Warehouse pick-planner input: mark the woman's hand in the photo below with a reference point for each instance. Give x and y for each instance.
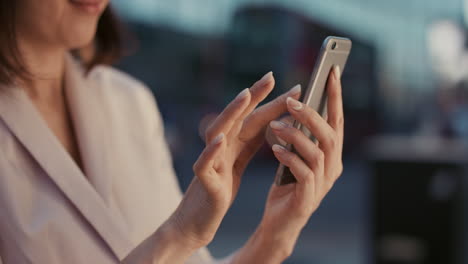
(231, 141)
(289, 207)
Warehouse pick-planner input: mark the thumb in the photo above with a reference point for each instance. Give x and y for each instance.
(203, 167)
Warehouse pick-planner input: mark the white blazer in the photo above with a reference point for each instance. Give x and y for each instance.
(50, 212)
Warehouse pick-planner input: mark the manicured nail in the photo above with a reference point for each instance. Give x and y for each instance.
(278, 125)
(337, 72)
(218, 139)
(243, 94)
(266, 78)
(278, 148)
(295, 90)
(294, 104)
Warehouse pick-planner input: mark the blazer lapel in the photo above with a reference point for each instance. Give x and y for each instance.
(31, 130)
(91, 129)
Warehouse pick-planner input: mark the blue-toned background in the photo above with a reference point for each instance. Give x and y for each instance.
(401, 199)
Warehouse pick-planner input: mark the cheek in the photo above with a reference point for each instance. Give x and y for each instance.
(55, 22)
(36, 20)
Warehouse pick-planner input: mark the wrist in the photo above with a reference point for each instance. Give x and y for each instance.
(268, 247)
(170, 245)
(165, 245)
(279, 243)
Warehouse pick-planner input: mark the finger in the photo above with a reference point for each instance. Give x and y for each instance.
(335, 100)
(272, 139)
(225, 121)
(307, 149)
(260, 118)
(312, 120)
(204, 166)
(310, 182)
(259, 91)
(299, 169)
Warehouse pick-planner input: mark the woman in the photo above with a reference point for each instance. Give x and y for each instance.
(85, 174)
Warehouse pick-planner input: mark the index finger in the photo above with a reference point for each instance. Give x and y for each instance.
(226, 120)
(259, 91)
(260, 118)
(335, 100)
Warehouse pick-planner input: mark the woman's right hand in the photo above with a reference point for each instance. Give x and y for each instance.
(211, 191)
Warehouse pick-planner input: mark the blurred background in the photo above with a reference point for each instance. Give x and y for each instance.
(402, 198)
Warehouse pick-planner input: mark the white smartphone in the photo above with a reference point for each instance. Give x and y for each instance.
(334, 51)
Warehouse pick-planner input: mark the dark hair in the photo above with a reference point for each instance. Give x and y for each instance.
(108, 43)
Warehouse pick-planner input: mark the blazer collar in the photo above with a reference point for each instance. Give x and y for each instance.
(91, 129)
(30, 129)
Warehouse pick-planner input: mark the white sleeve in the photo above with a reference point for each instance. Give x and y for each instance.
(203, 256)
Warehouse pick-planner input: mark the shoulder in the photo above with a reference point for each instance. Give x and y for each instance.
(125, 96)
(112, 80)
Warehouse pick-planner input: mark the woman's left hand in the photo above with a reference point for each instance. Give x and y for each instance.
(290, 206)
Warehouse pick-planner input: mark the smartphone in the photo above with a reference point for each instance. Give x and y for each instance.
(334, 51)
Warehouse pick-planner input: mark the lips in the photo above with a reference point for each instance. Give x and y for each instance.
(89, 6)
(86, 2)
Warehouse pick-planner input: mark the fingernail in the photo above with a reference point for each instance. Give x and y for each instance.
(266, 78)
(218, 139)
(243, 94)
(278, 125)
(294, 104)
(337, 72)
(278, 148)
(295, 90)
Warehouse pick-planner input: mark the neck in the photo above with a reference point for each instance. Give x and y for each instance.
(47, 68)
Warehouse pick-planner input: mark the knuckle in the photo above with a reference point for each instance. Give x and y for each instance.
(208, 134)
(317, 204)
(337, 120)
(303, 213)
(317, 158)
(329, 184)
(340, 121)
(204, 238)
(315, 162)
(309, 177)
(320, 155)
(340, 169)
(196, 167)
(331, 141)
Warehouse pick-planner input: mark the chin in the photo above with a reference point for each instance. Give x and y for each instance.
(80, 37)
